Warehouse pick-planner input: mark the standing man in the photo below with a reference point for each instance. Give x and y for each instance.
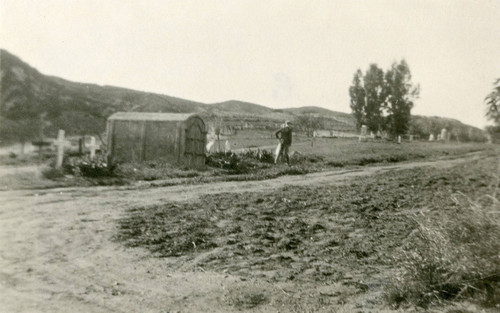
(284, 136)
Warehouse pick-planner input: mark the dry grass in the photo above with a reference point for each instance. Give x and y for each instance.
(452, 255)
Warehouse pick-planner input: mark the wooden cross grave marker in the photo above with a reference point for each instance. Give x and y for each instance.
(60, 148)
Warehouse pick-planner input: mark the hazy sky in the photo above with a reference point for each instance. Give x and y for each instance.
(275, 53)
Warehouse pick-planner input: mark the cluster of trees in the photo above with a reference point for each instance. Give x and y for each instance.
(383, 100)
(309, 123)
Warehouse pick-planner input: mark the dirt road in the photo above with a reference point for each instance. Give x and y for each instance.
(57, 253)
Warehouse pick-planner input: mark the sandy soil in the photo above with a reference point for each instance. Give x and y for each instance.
(57, 254)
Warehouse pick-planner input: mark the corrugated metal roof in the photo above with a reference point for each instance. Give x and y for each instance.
(143, 116)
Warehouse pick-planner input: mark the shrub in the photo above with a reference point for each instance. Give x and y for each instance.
(454, 256)
(84, 166)
(240, 163)
(264, 156)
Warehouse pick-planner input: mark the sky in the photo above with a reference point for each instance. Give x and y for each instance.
(275, 53)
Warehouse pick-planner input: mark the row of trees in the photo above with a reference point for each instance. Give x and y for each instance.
(383, 100)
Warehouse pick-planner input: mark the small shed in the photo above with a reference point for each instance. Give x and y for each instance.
(171, 137)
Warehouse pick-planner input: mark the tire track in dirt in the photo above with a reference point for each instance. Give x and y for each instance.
(56, 253)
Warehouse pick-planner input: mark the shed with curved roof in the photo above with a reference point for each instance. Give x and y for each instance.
(171, 137)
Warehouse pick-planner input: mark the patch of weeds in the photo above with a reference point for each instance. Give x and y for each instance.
(335, 164)
(368, 160)
(396, 158)
(294, 170)
(245, 163)
(52, 173)
(181, 231)
(263, 156)
(315, 158)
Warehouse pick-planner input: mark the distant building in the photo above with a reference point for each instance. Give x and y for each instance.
(175, 138)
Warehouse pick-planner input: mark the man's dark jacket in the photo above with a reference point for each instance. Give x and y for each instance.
(286, 135)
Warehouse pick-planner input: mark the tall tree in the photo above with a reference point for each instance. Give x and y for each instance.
(493, 103)
(400, 94)
(375, 97)
(358, 99)
(493, 111)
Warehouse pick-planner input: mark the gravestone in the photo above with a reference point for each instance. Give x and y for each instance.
(399, 139)
(364, 130)
(211, 147)
(93, 147)
(227, 147)
(431, 137)
(439, 137)
(443, 134)
(411, 137)
(60, 148)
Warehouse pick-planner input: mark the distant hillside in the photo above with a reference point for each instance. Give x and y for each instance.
(30, 101)
(235, 106)
(320, 111)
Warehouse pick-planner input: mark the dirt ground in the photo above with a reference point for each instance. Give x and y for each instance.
(57, 254)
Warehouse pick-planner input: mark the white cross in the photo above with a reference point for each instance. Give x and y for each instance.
(60, 148)
(93, 147)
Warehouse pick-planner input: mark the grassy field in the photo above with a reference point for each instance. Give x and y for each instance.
(349, 150)
(325, 154)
